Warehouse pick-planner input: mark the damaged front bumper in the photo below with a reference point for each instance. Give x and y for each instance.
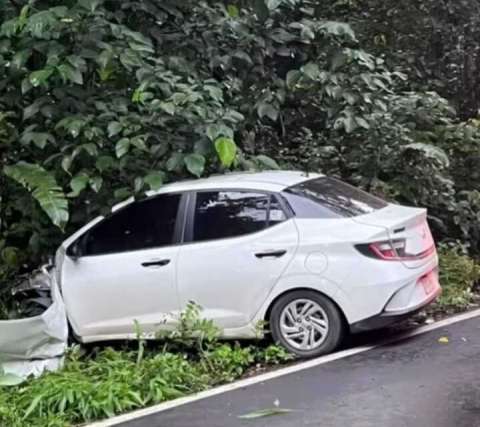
(31, 345)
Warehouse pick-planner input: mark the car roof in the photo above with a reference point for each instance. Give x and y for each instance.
(274, 181)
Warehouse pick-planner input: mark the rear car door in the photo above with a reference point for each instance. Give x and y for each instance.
(237, 245)
(123, 270)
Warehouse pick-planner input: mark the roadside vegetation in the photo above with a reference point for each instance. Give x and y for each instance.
(101, 100)
(460, 279)
(104, 381)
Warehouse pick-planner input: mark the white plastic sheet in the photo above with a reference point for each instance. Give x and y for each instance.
(29, 346)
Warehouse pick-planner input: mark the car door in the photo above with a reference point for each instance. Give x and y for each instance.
(123, 270)
(237, 245)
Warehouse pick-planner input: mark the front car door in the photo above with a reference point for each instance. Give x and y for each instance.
(238, 243)
(123, 270)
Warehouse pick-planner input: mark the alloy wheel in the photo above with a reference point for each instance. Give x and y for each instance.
(304, 324)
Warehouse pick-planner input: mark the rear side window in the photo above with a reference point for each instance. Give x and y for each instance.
(223, 214)
(330, 198)
(141, 225)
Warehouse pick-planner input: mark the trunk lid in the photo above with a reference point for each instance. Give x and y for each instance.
(407, 223)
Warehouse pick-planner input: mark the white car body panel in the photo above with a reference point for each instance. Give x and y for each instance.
(105, 294)
(226, 278)
(403, 222)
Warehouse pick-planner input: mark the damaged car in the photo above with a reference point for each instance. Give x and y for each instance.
(309, 255)
(37, 341)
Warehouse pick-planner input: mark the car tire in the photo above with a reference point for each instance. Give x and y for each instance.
(318, 331)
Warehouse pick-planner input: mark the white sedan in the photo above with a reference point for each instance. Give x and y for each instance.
(312, 256)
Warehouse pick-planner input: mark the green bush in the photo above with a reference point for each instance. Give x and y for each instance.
(89, 118)
(273, 355)
(99, 387)
(458, 276)
(227, 362)
(108, 382)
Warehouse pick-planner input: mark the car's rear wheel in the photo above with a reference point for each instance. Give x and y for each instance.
(306, 323)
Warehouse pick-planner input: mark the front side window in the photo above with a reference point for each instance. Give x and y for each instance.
(330, 198)
(223, 214)
(142, 225)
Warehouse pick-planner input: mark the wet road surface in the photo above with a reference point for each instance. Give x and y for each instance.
(417, 382)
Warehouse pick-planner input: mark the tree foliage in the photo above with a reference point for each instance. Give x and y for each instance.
(434, 42)
(101, 99)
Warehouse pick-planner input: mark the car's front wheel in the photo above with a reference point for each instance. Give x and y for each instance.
(306, 323)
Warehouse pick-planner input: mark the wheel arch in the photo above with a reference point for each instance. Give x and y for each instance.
(268, 311)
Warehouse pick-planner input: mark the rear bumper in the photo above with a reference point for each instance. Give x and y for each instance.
(385, 318)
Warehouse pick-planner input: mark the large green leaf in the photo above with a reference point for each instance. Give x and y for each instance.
(90, 5)
(261, 10)
(195, 164)
(70, 73)
(267, 162)
(311, 70)
(40, 77)
(9, 256)
(232, 10)
(114, 128)
(78, 184)
(215, 131)
(430, 151)
(175, 162)
(44, 189)
(168, 107)
(40, 139)
(104, 163)
(34, 108)
(266, 109)
(154, 180)
(122, 147)
(96, 183)
(293, 77)
(339, 29)
(226, 150)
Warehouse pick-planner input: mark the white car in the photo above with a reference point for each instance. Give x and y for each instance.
(311, 255)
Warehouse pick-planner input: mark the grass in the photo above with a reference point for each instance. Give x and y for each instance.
(459, 276)
(106, 381)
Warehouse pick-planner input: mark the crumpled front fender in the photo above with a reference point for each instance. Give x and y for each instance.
(30, 345)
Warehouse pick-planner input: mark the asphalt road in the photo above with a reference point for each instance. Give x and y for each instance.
(418, 382)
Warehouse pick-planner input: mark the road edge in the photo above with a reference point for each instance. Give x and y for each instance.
(242, 383)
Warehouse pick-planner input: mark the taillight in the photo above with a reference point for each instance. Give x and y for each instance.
(394, 250)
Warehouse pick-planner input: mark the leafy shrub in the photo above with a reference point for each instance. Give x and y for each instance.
(227, 362)
(88, 118)
(110, 383)
(459, 274)
(273, 355)
(107, 382)
(193, 333)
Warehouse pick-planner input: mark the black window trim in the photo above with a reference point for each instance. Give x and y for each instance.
(192, 200)
(184, 223)
(178, 233)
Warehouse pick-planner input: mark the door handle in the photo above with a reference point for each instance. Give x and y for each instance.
(271, 254)
(157, 263)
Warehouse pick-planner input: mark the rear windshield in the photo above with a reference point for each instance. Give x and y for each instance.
(329, 198)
